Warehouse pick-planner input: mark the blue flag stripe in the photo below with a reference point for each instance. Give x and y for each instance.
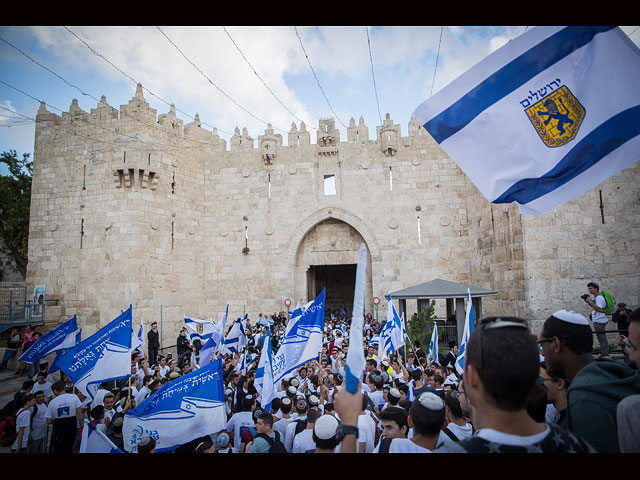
(590, 150)
(509, 78)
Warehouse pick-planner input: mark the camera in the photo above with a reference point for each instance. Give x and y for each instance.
(584, 297)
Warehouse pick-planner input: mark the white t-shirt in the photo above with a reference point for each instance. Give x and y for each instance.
(508, 439)
(63, 406)
(291, 433)
(461, 433)
(303, 441)
(404, 445)
(23, 420)
(600, 317)
(366, 432)
(281, 427)
(45, 387)
(377, 397)
(39, 425)
(235, 424)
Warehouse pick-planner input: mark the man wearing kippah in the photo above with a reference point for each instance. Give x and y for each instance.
(596, 386)
(598, 317)
(501, 369)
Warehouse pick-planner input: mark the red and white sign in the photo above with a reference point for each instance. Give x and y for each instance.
(376, 300)
(287, 302)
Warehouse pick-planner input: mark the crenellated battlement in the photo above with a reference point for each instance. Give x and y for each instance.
(137, 117)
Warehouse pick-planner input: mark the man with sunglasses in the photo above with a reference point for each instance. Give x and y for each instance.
(500, 371)
(597, 386)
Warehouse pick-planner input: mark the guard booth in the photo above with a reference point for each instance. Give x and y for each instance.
(454, 294)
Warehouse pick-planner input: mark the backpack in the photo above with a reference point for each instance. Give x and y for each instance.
(385, 443)
(300, 426)
(276, 445)
(611, 303)
(8, 432)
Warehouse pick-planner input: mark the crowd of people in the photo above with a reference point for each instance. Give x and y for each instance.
(515, 395)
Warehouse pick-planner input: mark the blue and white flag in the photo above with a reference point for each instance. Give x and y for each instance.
(199, 329)
(263, 381)
(72, 341)
(432, 353)
(213, 343)
(466, 333)
(242, 364)
(104, 356)
(302, 340)
(94, 441)
(61, 337)
(137, 341)
(236, 339)
(392, 335)
(547, 117)
(184, 409)
(375, 340)
(355, 356)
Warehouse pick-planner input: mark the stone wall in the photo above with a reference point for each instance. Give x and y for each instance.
(129, 207)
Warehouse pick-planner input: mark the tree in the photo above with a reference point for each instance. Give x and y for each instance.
(420, 326)
(15, 203)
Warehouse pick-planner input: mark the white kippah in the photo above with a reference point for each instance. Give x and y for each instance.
(326, 427)
(570, 316)
(394, 392)
(431, 401)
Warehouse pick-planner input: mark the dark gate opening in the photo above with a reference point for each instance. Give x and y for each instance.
(339, 282)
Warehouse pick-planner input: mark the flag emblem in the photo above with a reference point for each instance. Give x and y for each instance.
(199, 328)
(557, 117)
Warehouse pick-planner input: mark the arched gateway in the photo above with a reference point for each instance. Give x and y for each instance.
(323, 254)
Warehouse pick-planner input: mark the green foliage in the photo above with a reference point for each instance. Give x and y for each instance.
(15, 203)
(420, 326)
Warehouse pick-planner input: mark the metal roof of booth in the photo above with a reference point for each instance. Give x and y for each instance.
(439, 288)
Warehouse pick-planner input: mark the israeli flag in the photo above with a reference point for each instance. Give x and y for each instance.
(547, 117)
(393, 332)
(137, 341)
(61, 337)
(72, 341)
(236, 339)
(199, 329)
(184, 409)
(466, 333)
(302, 340)
(263, 381)
(94, 441)
(104, 356)
(432, 353)
(213, 343)
(375, 340)
(355, 356)
(242, 364)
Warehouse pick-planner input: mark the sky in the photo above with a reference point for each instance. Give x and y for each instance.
(244, 77)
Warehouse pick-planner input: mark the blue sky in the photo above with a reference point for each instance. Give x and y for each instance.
(224, 87)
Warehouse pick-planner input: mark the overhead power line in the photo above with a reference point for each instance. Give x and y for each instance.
(261, 80)
(316, 77)
(436, 66)
(212, 83)
(136, 82)
(373, 75)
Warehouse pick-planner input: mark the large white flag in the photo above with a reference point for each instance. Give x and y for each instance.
(432, 354)
(94, 441)
(104, 356)
(302, 340)
(184, 409)
(392, 335)
(236, 339)
(199, 329)
(547, 117)
(355, 356)
(466, 333)
(263, 381)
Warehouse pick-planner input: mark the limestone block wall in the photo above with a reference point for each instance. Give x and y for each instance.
(129, 207)
(581, 242)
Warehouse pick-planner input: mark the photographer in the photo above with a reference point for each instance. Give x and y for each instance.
(621, 318)
(598, 317)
